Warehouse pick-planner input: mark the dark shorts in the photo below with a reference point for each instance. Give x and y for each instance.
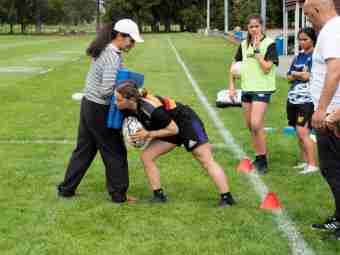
(300, 114)
(191, 130)
(249, 97)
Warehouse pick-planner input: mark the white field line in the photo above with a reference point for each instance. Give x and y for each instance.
(47, 71)
(286, 226)
(39, 141)
(12, 45)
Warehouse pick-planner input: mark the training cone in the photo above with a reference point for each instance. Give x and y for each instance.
(245, 166)
(271, 201)
(131, 200)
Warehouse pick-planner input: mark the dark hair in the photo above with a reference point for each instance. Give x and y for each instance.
(253, 17)
(310, 32)
(103, 38)
(129, 90)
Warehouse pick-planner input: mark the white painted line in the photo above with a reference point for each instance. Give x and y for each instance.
(48, 58)
(47, 71)
(71, 52)
(12, 45)
(39, 141)
(221, 146)
(285, 224)
(21, 69)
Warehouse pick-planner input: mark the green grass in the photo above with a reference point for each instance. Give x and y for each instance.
(34, 221)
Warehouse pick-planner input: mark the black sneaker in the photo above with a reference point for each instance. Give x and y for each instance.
(331, 224)
(118, 197)
(65, 193)
(226, 201)
(160, 198)
(260, 166)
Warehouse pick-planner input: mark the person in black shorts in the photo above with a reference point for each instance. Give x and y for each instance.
(168, 124)
(300, 107)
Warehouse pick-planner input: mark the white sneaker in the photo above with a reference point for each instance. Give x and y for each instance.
(301, 165)
(309, 169)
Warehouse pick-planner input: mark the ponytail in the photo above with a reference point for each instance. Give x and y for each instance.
(103, 38)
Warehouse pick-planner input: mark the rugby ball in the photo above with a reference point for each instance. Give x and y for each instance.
(130, 126)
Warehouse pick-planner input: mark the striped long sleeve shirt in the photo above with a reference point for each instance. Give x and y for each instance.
(101, 78)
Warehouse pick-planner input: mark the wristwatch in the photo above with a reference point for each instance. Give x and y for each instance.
(257, 51)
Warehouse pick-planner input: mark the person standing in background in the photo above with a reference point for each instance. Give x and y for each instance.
(300, 107)
(93, 133)
(325, 92)
(258, 82)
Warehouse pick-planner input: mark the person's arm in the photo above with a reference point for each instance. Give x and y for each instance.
(232, 78)
(332, 81)
(266, 66)
(266, 62)
(164, 120)
(110, 70)
(143, 134)
(302, 76)
(290, 76)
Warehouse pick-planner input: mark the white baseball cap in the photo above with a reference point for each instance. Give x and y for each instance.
(128, 26)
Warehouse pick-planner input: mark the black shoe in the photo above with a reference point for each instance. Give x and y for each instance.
(226, 201)
(331, 224)
(261, 166)
(65, 193)
(159, 196)
(118, 197)
(159, 199)
(333, 237)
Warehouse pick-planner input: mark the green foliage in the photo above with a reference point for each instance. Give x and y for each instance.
(192, 18)
(188, 14)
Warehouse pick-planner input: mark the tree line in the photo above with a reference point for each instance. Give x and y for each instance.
(156, 15)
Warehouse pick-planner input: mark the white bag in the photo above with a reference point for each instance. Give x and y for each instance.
(223, 99)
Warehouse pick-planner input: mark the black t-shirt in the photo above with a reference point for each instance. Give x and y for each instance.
(271, 54)
(153, 118)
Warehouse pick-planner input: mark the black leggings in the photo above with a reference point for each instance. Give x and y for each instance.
(93, 135)
(329, 157)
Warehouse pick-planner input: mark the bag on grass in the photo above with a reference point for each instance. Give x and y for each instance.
(224, 100)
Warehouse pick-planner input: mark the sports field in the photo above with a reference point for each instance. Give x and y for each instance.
(38, 128)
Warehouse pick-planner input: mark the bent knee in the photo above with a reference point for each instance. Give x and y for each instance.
(146, 157)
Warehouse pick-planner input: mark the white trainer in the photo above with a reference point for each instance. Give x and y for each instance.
(309, 169)
(301, 165)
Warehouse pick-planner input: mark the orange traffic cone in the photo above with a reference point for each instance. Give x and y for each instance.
(131, 200)
(245, 166)
(271, 201)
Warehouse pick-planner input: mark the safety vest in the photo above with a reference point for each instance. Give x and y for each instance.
(252, 76)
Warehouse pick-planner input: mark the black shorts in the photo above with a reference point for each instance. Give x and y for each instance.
(300, 114)
(191, 129)
(249, 97)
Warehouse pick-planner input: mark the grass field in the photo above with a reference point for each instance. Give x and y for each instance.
(38, 106)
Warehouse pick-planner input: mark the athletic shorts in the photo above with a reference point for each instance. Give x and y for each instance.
(191, 129)
(249, 97)
(300, 114)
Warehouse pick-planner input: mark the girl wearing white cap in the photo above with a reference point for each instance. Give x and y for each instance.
(93, 134)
